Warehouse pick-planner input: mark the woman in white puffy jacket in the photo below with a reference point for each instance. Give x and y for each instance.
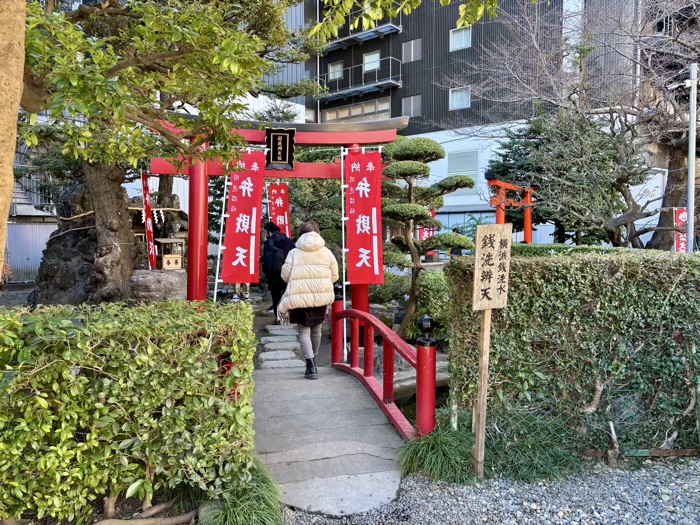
(309, 271)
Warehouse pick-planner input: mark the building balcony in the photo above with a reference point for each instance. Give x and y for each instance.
(347, 35)
(361, 79)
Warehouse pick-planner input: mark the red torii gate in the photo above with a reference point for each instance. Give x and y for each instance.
(351, 135)
(500, 201)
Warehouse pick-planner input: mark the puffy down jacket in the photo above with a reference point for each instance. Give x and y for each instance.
(310, 271)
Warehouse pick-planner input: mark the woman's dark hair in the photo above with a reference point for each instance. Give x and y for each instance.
(271, 227)
(308, 227)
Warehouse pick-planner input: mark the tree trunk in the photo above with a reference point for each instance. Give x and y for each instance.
(614, 236)
(411, 305)
(116, 251)
(676, 185)
(634, 240)
(415, 273)
(559, 233)
(13, 16)
(110, 506)
(165, 188)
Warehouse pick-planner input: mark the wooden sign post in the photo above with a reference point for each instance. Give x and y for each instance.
(491, 273)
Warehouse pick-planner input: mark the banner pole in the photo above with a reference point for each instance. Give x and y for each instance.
(146, 192)
(343, 153)
(221, 238)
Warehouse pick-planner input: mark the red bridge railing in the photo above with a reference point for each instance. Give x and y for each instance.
(423, 359)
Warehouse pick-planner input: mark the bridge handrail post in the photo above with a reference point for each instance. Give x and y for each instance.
(355, 343)
(369, 351)
(388, 388)
(426, 350)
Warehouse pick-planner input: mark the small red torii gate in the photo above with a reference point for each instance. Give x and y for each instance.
(501, 202)
(351, 136)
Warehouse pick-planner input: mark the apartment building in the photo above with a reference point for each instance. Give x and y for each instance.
(422, 66)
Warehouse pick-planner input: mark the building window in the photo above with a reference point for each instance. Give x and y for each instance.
(310, 115)
(413, 50)
(460, 98)
(370, 61)
(464, 163)
(379, 109)
(335, 70)
(667, 26)
(411, 106)
(460, 38)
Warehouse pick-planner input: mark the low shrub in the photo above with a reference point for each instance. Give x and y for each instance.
(395, 288)
(585, 340)
(123, 401)
(433, 300)
(547, 250)
(11, 342)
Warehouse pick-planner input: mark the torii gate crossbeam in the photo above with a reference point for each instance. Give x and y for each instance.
(351, 135)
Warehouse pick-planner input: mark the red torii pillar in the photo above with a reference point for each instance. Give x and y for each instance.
(354, 135)
(198, 233)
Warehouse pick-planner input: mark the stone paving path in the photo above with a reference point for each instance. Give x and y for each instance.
(326, 442)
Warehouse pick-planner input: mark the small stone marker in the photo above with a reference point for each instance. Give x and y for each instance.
(491, 273)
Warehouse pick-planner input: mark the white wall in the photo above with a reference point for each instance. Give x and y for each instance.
(484, 140)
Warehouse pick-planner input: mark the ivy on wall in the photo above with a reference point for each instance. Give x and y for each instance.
(589, 339)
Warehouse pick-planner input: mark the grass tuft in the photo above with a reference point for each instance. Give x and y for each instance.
(520, 448)
(257, 503)
(443, 455)
(529, 447)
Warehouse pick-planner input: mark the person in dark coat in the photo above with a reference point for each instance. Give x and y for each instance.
(275, 251)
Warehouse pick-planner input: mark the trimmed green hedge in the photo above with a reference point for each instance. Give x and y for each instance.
(547, 250)
(586, 340)
(119, 400)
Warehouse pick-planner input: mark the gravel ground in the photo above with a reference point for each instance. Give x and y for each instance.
(654, 495)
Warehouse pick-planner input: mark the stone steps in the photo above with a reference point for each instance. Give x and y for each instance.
(279, 349)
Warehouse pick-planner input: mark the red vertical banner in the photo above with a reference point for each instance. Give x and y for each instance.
(244, 208)
(148, 221)
(680, 220)
(363, 204)
(279, 207)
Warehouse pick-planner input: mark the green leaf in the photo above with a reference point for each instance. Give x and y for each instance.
(134, 488)
(104, 421)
